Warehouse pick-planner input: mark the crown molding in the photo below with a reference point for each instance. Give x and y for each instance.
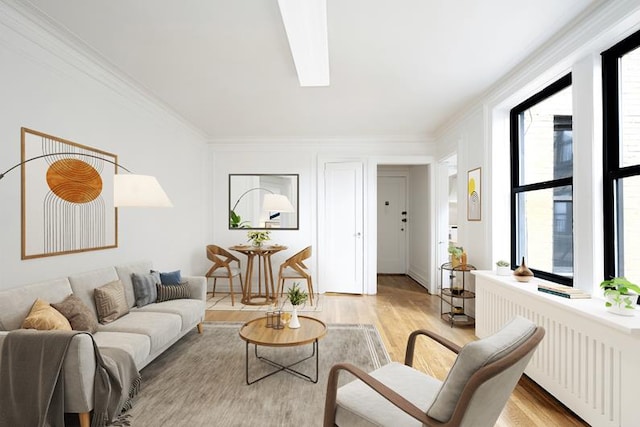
(588, 32)
(323, 140)
(372, 145)
(55, 41)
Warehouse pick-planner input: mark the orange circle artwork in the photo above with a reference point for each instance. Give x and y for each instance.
(74, 181)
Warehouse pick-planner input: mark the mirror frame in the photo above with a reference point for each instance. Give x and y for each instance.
(296, 203)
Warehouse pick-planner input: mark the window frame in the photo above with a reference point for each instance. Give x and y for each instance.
(612, 171)
(517, 188)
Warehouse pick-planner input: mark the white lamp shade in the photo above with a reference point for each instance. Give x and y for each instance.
(138, 190)
(277, 203)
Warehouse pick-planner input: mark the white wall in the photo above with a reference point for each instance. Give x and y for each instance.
(47, 85)
(481, 134)
(306, 158)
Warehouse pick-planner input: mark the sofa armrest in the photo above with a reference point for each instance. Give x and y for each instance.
(198, 287)
(78, 370)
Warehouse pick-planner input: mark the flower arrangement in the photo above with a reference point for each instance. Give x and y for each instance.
(257, 238)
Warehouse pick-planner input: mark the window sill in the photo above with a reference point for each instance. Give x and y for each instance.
(592, 308)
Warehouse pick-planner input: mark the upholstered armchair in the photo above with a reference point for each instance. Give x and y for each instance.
(473, 394)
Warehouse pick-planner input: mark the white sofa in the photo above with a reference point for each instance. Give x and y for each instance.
(144, 332)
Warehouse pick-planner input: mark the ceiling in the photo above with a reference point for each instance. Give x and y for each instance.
(399, 68)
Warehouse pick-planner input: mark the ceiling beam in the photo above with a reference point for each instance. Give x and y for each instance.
(305, 22)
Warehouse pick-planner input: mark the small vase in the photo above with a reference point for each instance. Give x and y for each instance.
(522, 273)
(294, 323)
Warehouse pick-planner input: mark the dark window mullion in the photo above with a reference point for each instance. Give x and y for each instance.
(611, 153)
(544, 185)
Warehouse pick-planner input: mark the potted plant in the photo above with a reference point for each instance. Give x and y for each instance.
(503, 268)
(236, 222)
(296, 296)
(257, 238)
(618, 298)
(456, 253)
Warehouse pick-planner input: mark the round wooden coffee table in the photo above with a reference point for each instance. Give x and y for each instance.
(256, 332)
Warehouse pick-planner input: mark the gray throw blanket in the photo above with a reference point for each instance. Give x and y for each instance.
(32, 384)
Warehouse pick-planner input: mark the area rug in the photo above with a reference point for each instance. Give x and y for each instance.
(200, 380)
(222, 301)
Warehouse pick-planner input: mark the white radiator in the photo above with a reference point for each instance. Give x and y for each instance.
(587, 357)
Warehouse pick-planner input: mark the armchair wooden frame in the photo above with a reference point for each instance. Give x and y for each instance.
(222, 259)
(296, 263)
(481, 376)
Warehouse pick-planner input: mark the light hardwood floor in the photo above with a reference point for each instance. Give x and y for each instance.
(402, 306)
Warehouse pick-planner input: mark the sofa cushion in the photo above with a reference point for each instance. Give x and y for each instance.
(111, 302)
(124, 274)
(161, 328)
(190, 310)
(144, 287)
(44, 317)
(83, 285)
(137, 345)
(16, 303)
(77, 313)
(170, 292)
(171, 278)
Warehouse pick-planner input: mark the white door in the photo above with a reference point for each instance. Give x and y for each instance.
(342, 262)
(392, 224)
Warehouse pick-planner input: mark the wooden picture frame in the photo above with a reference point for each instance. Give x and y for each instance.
(67, 197)
(474, 195)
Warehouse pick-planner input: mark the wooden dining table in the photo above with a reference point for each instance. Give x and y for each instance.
(263, 253)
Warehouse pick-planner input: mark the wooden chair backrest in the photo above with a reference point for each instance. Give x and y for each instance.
(298, 259)
(220, 257)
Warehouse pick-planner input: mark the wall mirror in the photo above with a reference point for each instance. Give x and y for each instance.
(260, 202)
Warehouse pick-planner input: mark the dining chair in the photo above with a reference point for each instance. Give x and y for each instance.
(474, 392)
(222, 268)
(294, 268)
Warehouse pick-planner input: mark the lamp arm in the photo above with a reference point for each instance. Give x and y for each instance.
(65, 153)
(248, 191)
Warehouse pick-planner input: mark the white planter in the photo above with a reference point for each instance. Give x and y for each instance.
(503, 271)
(294, 323)
(621, 307)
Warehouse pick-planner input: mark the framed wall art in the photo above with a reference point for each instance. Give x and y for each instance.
(474, 195)
(67, 197)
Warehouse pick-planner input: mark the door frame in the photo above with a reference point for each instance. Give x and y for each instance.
(370, 214)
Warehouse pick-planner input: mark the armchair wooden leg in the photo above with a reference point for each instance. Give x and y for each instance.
(85, 419)
(200, 328)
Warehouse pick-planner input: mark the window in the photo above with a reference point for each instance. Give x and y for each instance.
(621, 154)
(542, 182)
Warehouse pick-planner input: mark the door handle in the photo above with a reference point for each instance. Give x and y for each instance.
(358, 234)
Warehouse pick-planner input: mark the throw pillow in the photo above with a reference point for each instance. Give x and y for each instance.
(171, 278)
(144, 287)
(45, 318)
(169, 292)
(111, 302)
(77, 313)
